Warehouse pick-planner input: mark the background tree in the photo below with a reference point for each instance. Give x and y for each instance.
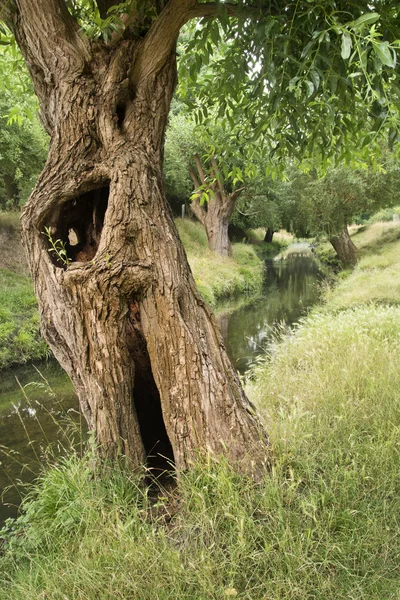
(218, 172)
(327, 205)
(122, 313)
(261, 205)
(24, 145)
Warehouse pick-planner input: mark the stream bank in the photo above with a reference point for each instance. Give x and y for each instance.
(37, 402)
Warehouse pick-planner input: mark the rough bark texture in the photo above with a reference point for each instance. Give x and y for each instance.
(216, 213)
(123, 316)
(344, 248)
(269, 234)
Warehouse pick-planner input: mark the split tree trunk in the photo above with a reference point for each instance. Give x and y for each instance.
(122, 314)
(216, 213)
(345, 248)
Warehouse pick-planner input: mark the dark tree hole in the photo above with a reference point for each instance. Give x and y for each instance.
(120, 112)
(146, 400)
(78, 225)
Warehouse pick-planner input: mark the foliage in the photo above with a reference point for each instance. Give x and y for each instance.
(185, 140)
(386, 214)
(180, 146)
(261, 205)
(23, 142)
(313, 79)
(317, 205)
(57, 248)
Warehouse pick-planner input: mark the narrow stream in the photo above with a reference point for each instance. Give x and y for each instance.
(38, 404)
(290, 288)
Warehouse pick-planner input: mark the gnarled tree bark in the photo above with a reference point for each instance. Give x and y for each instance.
(214, 214)
(122, 313)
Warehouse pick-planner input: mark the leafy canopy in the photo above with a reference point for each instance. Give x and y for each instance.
(312, 78)
(317, 205)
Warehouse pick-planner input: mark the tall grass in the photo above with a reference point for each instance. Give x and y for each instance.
(376, 277)
(322, 524)
(9, 221)
(19, 320)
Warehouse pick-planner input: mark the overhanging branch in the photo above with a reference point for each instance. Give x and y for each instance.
(62, 50)
(161, 38)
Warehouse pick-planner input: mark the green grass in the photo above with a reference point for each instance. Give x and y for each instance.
(376, 278)
(20, 340)
(9, 221)
(323, 524)
(219, 277)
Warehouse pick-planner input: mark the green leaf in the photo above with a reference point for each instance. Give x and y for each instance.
(384, 53)
(310, 88)
(347, 44)
(367, 19)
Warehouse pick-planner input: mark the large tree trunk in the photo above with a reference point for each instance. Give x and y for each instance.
(12, 190)
(269, 234)
(215, 214)
(215, 218)
(345, 248)
(122, 314)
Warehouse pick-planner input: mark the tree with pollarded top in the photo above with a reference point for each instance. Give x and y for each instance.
(219, 173)
(122, 314)
(327, 205)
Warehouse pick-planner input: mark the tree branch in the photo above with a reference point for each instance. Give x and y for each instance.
(199, 211)
(235, 195)
(161, 38)
(199, 169)
(218, 177)
(193, 177)
(47, 27)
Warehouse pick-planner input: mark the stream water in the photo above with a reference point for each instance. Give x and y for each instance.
(38, 404)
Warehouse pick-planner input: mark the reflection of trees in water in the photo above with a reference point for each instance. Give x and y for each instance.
(290, 288)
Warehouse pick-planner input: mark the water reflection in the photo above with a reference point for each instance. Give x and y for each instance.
(36, 408)
(291, 287)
